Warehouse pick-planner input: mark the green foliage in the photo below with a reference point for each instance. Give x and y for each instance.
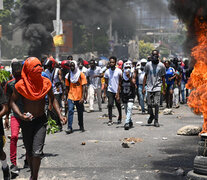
(145, 49)
(4, 76)
(52, 126)
(7, 16)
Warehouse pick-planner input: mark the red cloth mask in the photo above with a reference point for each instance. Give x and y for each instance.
(33, 85)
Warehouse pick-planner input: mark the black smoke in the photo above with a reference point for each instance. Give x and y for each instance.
(35, 16)
(187, 11)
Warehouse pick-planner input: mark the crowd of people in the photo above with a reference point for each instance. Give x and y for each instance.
(41, 88)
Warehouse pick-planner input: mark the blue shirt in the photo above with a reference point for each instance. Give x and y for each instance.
(170, 72)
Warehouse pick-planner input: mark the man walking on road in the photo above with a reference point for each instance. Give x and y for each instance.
(155, 78)
(15, 119)
(33, 88)
(55, 76)
(113, 78)
(128, 93)
(94, 84)
(75, 83)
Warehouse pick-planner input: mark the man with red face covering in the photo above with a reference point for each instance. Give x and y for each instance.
(33, 88)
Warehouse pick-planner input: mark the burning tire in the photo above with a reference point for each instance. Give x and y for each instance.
(200, 165)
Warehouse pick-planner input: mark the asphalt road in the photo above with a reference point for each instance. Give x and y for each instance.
(157, 157)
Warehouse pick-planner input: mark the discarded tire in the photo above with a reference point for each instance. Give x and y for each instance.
(200, 165)
(193, 176)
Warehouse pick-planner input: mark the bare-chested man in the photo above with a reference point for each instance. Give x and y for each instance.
(33, 88)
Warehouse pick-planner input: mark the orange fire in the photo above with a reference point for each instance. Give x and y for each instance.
(198, 79)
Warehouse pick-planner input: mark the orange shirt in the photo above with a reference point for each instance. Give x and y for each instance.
(76, 89)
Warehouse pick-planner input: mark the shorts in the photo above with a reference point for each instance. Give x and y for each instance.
(170, 87)
(153, 98)
(2, 142)
(34, 133)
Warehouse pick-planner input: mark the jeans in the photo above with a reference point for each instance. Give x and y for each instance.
(176, 96)
(153, 100)
(183, 91)
(111, 98)
(128, 110)
(141, 97)
(80, 110)
(15, 126)
(91, 93)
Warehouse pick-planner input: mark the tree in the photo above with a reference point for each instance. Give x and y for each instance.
(145, 49)
(8, 17)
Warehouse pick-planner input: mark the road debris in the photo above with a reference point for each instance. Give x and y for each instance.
(125, 145)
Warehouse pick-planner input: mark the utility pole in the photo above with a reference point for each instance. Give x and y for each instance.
(57, 49)
(110, 35)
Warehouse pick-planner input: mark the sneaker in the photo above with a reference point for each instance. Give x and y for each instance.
(14, 170)
(69, 131)
(177, 106)
(150, 120)
(126, 126)
(156, 124)
(82, 129)
(130, 124)
(26, 164)
(110, 123)
(119, 121)
(6, 173)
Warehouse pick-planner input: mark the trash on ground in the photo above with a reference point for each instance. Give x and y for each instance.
(189, 130)
(132, 142)
(132, 139)
(83, 143)
(125, 145)
(180, 172)
(157, 171)
(168, 111)
(139, 122)
(164, 138)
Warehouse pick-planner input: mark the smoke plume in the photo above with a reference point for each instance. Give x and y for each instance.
(187, 11)
(36, 17)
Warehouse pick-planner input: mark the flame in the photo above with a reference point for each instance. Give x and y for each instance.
(198, 79)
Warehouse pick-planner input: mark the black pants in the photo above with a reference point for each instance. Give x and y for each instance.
(58, 97)
(111, 98)
(34, 133)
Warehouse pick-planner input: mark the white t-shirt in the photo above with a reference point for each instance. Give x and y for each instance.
(141, 77)
(113, 79)
(54, 75)
(95, 82)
